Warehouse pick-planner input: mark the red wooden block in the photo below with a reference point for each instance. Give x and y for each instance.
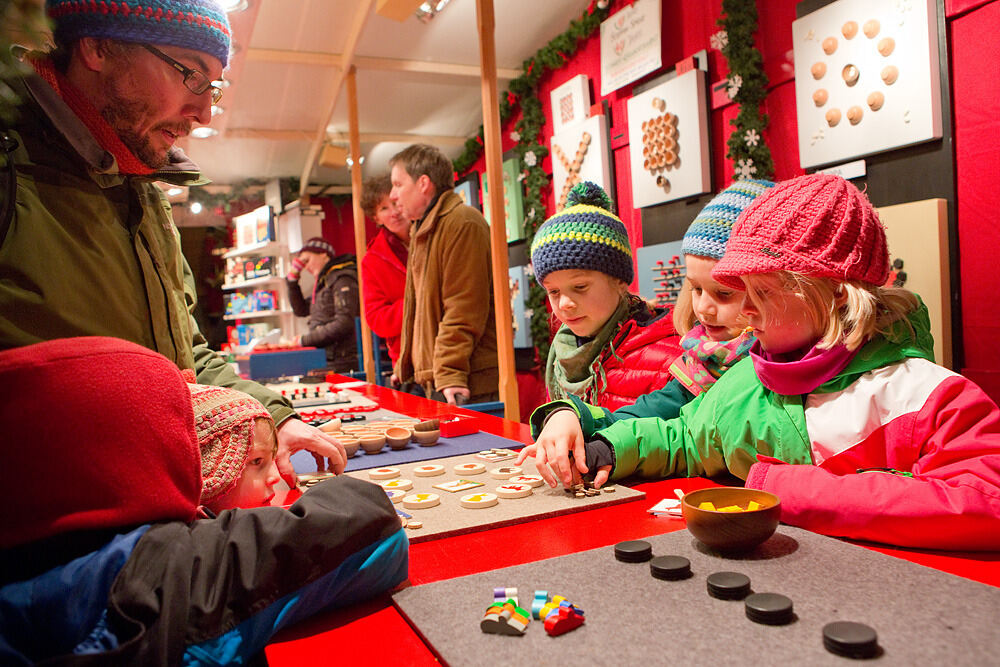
(562, 622)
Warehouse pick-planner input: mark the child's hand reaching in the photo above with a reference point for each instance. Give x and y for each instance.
(560, 436)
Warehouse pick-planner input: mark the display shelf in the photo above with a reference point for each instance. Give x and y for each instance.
(262, 248)
(253, 282)
(257, 315)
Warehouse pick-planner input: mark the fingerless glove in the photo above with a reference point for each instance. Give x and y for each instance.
(297, 266)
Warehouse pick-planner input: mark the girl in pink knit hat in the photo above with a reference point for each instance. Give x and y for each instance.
(839, 409)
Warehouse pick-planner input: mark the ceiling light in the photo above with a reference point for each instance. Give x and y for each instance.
(204, 132)
(234, 5)
(428, 10)
(217, 110)
(195, 207)
(173, 192)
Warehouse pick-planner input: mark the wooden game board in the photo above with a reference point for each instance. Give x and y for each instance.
(450, 518)
(922, 616)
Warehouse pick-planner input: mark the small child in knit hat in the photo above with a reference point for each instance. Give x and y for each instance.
(612, 346)
(707, 313)
(839, 409)
(238, 443)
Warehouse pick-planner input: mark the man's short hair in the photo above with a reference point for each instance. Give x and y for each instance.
(373, 192)
(420, 159)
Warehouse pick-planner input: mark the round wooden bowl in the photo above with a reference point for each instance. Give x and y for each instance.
(731, 531)
(351, 445)
(397, 437)
(331, 426)
(372, 444)
(426, 438)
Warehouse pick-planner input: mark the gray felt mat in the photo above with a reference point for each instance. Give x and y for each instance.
(450, 518)
(922, 616)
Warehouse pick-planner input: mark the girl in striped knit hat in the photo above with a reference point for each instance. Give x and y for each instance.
(612, 346)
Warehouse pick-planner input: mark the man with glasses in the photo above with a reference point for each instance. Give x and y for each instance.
(87, 242)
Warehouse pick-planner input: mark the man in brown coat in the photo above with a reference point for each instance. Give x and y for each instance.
(449, 344)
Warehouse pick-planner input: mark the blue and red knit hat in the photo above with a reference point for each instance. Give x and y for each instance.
(200, 25)
(584, 235)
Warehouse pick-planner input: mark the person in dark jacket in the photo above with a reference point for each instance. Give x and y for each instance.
(102, 558)
(333, 305)
(88, 246)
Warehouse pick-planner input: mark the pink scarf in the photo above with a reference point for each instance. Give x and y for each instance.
(796, 372)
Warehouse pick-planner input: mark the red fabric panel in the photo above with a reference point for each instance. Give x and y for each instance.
(975, 90)
(953, 7)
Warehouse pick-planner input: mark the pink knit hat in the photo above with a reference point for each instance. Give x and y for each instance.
(224, 423)
(818, 225)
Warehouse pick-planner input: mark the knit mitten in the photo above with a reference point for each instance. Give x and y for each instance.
(297, 266)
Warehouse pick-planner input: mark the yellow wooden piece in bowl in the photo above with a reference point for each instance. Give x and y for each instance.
(730, 508)
(706, 506)
(753, 505)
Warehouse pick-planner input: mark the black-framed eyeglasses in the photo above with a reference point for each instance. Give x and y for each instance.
(195, 80)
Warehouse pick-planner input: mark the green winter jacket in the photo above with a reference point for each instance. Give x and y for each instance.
(722, 430)
(93, 252)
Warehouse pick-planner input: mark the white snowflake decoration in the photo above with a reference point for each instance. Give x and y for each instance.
(528, 312)
(531, 215)
(515, 136)
(530, 268)
(751, 137)
(735, 81)
(530, 158)
(745, 169)
(520, 177)
(719, 40)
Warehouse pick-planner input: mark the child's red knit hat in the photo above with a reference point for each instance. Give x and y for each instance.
(818, 225)
(98, 433)
(224, 423)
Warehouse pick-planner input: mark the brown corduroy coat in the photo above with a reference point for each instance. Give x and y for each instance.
(449, 326)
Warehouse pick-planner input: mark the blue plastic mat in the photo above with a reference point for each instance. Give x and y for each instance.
(464, 444)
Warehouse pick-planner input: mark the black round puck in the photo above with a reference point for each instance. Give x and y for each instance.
(769, 608)
(634, 551)
(849, 639)
(728, 585)
(671, 568)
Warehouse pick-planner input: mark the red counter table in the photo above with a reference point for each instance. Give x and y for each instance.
(375, 632)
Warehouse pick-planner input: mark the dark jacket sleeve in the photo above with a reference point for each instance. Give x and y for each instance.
(295, 299)
(218, 589)
(335, 307)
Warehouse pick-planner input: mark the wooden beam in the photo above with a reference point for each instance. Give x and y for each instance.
(340, 137)
(360, 242)
(322, 59)
(361, 14)
(498, 228)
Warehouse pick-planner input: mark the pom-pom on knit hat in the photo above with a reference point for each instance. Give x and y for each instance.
(818, 225)
(584, 235)
(317, 244)
(200, 25)
(224, 423)
(708, 234)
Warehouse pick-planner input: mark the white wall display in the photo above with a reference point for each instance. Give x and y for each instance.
(668, 141)
(580, 153)
(630, 44)
(570, 102)
(866, 78)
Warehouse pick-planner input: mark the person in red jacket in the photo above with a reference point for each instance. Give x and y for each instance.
(383, 269)
(612, 347)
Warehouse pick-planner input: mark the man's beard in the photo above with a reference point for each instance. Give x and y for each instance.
(123, 115)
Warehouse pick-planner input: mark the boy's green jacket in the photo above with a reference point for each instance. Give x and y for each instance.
(725, 428)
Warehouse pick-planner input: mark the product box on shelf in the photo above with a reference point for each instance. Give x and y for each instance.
(278, 363)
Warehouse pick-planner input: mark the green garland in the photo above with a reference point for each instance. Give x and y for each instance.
(524, 90)
(747, 87)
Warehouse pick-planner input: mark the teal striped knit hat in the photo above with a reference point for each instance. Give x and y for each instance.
(708, 234)
(199, 25)
(584, 235)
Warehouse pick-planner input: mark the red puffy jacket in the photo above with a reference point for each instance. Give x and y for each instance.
(637, 360)
(384, 280)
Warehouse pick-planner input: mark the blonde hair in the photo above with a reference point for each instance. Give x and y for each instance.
(848, 312)
(684, 317)
(274, 432)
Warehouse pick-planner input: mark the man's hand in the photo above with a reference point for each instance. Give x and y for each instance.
(560, 436)
(295, 434)
(451, 392)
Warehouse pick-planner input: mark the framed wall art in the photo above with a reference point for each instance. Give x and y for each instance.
(468, 190)
(580, 153)
(866, 79)
(570, 102)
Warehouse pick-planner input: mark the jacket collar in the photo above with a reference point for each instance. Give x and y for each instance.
(179, 170)
(446, 203)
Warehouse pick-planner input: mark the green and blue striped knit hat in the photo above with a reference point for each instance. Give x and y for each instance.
(584, 235)
(708, 234)
(199, 25)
